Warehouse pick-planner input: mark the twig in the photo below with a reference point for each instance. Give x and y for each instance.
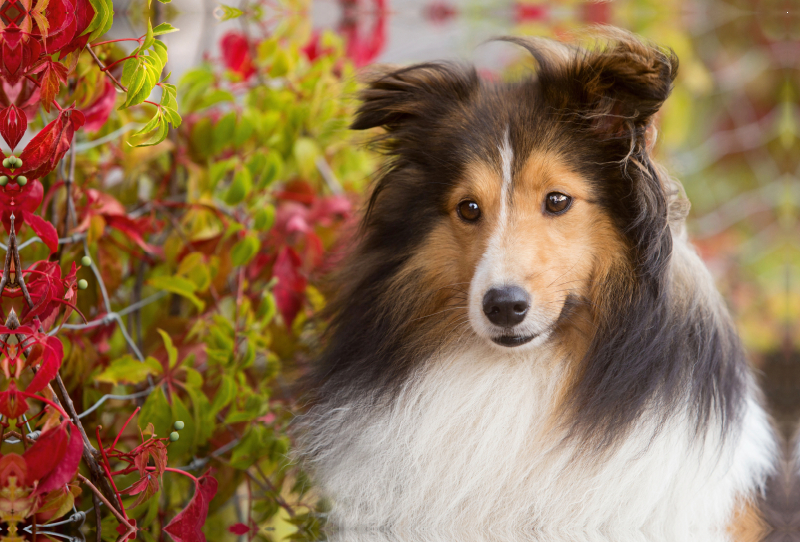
(119, 85)
(99, 494)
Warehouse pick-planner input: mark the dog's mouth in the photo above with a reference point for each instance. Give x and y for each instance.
(513, 340)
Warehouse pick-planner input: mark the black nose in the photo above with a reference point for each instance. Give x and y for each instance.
(506, 306)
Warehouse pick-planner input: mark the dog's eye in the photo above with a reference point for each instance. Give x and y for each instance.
(557, 203)
(468, 210)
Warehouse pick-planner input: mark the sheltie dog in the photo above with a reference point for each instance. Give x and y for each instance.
(522, 339)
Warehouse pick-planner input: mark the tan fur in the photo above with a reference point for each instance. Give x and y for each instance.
(747, 524)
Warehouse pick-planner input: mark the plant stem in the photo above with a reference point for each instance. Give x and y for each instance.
(111, 507)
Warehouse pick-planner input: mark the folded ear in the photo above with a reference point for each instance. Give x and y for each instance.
(395, 97)
(615, 88)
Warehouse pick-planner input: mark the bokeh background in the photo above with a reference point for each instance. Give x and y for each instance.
(730, 132)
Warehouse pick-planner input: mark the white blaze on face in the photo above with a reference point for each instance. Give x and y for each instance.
(498, 266)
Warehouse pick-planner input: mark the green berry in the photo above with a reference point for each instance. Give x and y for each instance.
(17, 162)
(3, 180)
(86, 261)
(7, 162)
(83, 284)
(178, 425)
(174, 436)
(22, 180)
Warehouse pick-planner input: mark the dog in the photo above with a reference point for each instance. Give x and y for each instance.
(522, 339)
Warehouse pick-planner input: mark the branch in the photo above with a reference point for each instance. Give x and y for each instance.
(99, 495)
(103, 68)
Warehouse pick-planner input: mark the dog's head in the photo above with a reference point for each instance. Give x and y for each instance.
(523, 204)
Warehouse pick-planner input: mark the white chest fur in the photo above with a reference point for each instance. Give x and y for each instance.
(469, 444)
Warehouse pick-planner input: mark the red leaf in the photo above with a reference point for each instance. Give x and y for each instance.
(47, 147)
(131, 229)
(45, 230)
(12, 402)
(51, 75)
(12, 465)
(239, 529)
(13, 123)
(187, 525)
(44, 455)
(291, 287)
(98, 111)
(20, 51)
(84, 12)
(236, 54)
(68, 464)
(53, 459)
(52, 356)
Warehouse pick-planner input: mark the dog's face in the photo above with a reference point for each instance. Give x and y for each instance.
(510, 202)
(530, 239)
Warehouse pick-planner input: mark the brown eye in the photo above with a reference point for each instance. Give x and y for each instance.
(468, 210)
(557, 203)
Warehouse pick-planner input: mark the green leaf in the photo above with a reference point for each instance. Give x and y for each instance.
(224, 130)
(194, 268)
(249, 449)
(200, 137)
(102, 20)
(159, 131)
(281, 64)
(172, 352)
(240, 187)
(268, 308)
(201, 408)
(272, 170)
(306, 152)
(217, 170)
(264, 218)
(128, 370)
(160, 51)
(227, 12)
(164, 28)
(244, 129)
(156, 410)
(149, 38)
(214, 97)
(244, 250)
(224, 395)
(179, 286)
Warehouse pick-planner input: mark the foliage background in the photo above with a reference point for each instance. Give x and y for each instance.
(262, 181)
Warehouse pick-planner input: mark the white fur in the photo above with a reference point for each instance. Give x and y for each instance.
(469, 446)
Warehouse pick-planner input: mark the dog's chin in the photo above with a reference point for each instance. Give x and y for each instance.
(511, 341)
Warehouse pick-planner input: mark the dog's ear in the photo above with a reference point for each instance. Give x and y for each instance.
(613, 89)
(394, 97)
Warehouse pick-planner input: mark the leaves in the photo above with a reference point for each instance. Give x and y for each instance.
(244, 250)
(51, 75)
(180, 286)
(166, 115)
(13, 123)
(128, 370)
(225, 13)
(156, 411)
(164, 28)
(53, 459)
(187, 525)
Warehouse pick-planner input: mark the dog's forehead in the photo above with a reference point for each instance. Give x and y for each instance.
(505, 126)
